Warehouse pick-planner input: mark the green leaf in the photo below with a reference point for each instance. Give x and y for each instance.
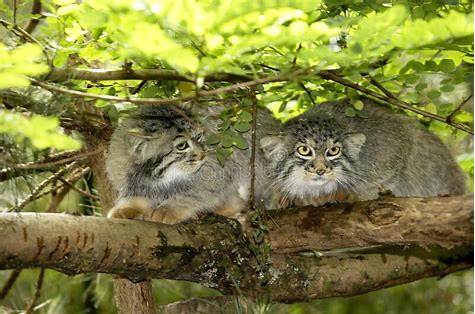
(227, 141)
(224, 125)
(464, 117)
(421, 86)
(150, 91)
(430, 65)
(16, 64)
(432, 108)
(245, 116)
(213, 139)
(446, 65)
(433, 94)
(242, 126)
(240, 142)
(66, 9)
(447, 88)
(358, 105)
(222, 154)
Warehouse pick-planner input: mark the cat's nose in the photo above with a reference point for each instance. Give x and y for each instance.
(199, 156)
(321, 171)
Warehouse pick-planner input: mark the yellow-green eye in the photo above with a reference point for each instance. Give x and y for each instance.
(333, 151)
(304, 151)
(182, 146)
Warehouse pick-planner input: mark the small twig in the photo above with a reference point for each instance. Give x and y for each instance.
(34, 21)
(37, 294)
(309, 94)
(330, 75)
(294, 61)
(23, 34)
(36, 191)
(20, 32)
(380, 86)
(9, 283)
(55, 160)
(74, 177)
(46, 164)
(252, 190)
(451, 116)
(57, 196)
(14, 11)
(80, 191)
(139, 87)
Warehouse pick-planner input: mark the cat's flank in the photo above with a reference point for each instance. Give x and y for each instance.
(324, 156)
(162, 169)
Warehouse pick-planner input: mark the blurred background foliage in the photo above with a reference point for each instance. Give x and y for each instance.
(419, 51)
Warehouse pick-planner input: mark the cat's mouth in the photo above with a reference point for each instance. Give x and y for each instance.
(196, 164)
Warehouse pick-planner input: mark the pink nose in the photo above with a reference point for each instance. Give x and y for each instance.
(200, 156)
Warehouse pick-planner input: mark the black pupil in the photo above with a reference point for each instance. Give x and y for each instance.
(182, 145)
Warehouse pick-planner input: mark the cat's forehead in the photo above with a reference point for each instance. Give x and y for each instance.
(315, 132)
(159, 119)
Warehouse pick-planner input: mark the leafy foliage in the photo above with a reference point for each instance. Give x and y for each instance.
(42, 131)
(420, 51)
(18, 62)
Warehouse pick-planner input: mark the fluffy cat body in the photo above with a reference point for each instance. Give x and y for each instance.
(324, 156)
(158, 162)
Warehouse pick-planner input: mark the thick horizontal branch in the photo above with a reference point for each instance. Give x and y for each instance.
(349, 249)
(65, 74)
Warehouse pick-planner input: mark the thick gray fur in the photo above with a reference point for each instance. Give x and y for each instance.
(143, 163)
(385, 151)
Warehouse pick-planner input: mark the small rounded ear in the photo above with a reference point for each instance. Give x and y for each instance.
(271, 145)
(354, 143)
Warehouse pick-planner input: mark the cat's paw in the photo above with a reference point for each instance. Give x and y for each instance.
(169, 216)
(134, 208)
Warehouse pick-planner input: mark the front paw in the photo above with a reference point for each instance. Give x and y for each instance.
(169, 216)
(134, 208)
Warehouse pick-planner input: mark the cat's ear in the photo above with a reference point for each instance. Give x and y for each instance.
(272, 145)
(354, 143)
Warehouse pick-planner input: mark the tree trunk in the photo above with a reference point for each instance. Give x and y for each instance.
(129, 297)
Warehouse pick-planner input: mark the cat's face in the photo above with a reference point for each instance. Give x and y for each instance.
(312, 157)
(167, 148)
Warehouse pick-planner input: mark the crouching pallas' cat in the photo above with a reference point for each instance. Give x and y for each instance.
(162, 169)
(324, 156)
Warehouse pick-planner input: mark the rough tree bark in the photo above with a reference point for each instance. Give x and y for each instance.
(337, 250)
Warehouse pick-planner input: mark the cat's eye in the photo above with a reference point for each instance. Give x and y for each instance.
(304, 151)
(333, 151)
(182, 146)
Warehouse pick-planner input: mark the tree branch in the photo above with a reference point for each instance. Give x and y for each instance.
(337, 250)
(9, 283)
(168, 101)
(451, 116)
(31, 307)
(65, 74)
(144, 74)
(34, 21)
(52, 162)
